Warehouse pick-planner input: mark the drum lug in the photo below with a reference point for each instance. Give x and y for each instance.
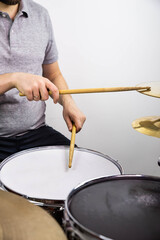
(67, 227)
(71, 232)
(65, 221)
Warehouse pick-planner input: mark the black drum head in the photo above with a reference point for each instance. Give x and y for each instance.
(120, 208)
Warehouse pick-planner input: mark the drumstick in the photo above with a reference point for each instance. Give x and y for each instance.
(97, 90)
(71, 150)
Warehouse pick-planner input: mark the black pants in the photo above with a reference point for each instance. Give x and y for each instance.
(43, 136)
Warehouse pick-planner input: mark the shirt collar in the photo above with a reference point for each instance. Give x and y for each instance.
(24, 8)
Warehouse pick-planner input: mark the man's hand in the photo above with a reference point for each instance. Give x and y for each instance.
(35, 87)
(72, 114)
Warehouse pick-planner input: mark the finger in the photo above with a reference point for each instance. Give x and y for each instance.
(29, 95)
(69, 123)
(54, 90)
(78, 127)
(79, 124)
(44, 95)
(36, 95)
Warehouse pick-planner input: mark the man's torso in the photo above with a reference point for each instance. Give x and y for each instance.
(25, 45)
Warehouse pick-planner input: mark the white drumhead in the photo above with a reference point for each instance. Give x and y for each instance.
(43, 172)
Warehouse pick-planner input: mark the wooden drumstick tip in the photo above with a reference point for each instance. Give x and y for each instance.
(71, 154)
(72, 143)
(70, 159)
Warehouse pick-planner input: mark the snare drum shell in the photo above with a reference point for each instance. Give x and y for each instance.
(130, 204)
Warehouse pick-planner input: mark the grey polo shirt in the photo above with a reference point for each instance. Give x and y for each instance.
(25, 44)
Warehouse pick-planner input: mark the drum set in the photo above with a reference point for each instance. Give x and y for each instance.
(42, 198)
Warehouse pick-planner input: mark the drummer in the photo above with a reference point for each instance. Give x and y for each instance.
(28, 64)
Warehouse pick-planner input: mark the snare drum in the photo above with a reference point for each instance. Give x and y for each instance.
(124, 207)
(42, 174)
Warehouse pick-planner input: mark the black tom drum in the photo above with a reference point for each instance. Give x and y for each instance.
(124, 207)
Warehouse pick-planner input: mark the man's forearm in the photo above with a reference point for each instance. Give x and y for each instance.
(6, 82)
(53, 73)
(60, 83)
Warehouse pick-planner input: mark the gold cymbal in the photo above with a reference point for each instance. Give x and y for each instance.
(153, 92)
(22, 220)
(148, 125)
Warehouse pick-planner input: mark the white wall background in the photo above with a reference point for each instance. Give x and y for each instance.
(110, 43)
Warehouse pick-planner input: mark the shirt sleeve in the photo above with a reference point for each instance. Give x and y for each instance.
(51, 53)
